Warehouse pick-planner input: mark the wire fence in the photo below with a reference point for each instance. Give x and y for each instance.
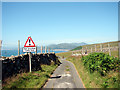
(109, 48)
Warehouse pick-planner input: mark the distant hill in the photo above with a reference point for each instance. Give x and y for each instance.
(66, 45)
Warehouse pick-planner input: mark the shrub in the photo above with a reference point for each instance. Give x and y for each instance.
(100, 62)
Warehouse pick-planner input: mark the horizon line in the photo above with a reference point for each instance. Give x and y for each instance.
(71, 42)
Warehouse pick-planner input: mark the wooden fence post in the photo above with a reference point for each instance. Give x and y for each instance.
(109, 49)
(91, 49)
(49, 50)
(18, 47)
(41, 49)
(45, 49)
(101, 47)
(86, 50)
(95, 48)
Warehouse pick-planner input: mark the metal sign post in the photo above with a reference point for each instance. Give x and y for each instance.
(29, 61)
(29, 47)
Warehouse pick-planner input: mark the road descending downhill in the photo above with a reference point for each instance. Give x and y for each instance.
(65, 76)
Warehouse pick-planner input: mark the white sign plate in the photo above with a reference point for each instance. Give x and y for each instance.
(29, 49)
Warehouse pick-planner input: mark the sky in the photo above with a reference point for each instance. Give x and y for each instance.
(59, 22)
(60, 0)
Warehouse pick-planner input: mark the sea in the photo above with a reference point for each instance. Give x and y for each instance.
(8, 53)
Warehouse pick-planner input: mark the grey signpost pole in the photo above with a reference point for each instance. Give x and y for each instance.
(29, 61)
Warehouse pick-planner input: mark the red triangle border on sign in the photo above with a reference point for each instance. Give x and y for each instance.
(27, 41)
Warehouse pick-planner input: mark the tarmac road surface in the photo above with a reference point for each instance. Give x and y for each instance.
(65, 76)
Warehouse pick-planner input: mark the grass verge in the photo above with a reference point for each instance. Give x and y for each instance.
(92, 80)
(35, 79)
(65, 54)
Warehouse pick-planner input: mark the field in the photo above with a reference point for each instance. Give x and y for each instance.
(95, 80)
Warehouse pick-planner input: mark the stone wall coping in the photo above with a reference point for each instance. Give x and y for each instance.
(13, 57)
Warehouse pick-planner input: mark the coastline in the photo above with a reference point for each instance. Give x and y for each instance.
(61, 50)
(9, 53)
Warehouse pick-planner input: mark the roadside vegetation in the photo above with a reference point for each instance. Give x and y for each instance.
(97, 70)
(100, 62)
(34, 79)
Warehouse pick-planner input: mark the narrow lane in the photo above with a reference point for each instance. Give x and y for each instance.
(65, 76)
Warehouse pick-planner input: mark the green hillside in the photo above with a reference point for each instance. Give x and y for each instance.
(77, 48)
(104, 45)
(113, 48)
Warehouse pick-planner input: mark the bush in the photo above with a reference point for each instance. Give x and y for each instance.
(100, 62)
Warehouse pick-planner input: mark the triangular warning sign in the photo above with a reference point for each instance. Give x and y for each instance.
(29, 43)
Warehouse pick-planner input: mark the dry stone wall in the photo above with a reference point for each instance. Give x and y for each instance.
(15, 65)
